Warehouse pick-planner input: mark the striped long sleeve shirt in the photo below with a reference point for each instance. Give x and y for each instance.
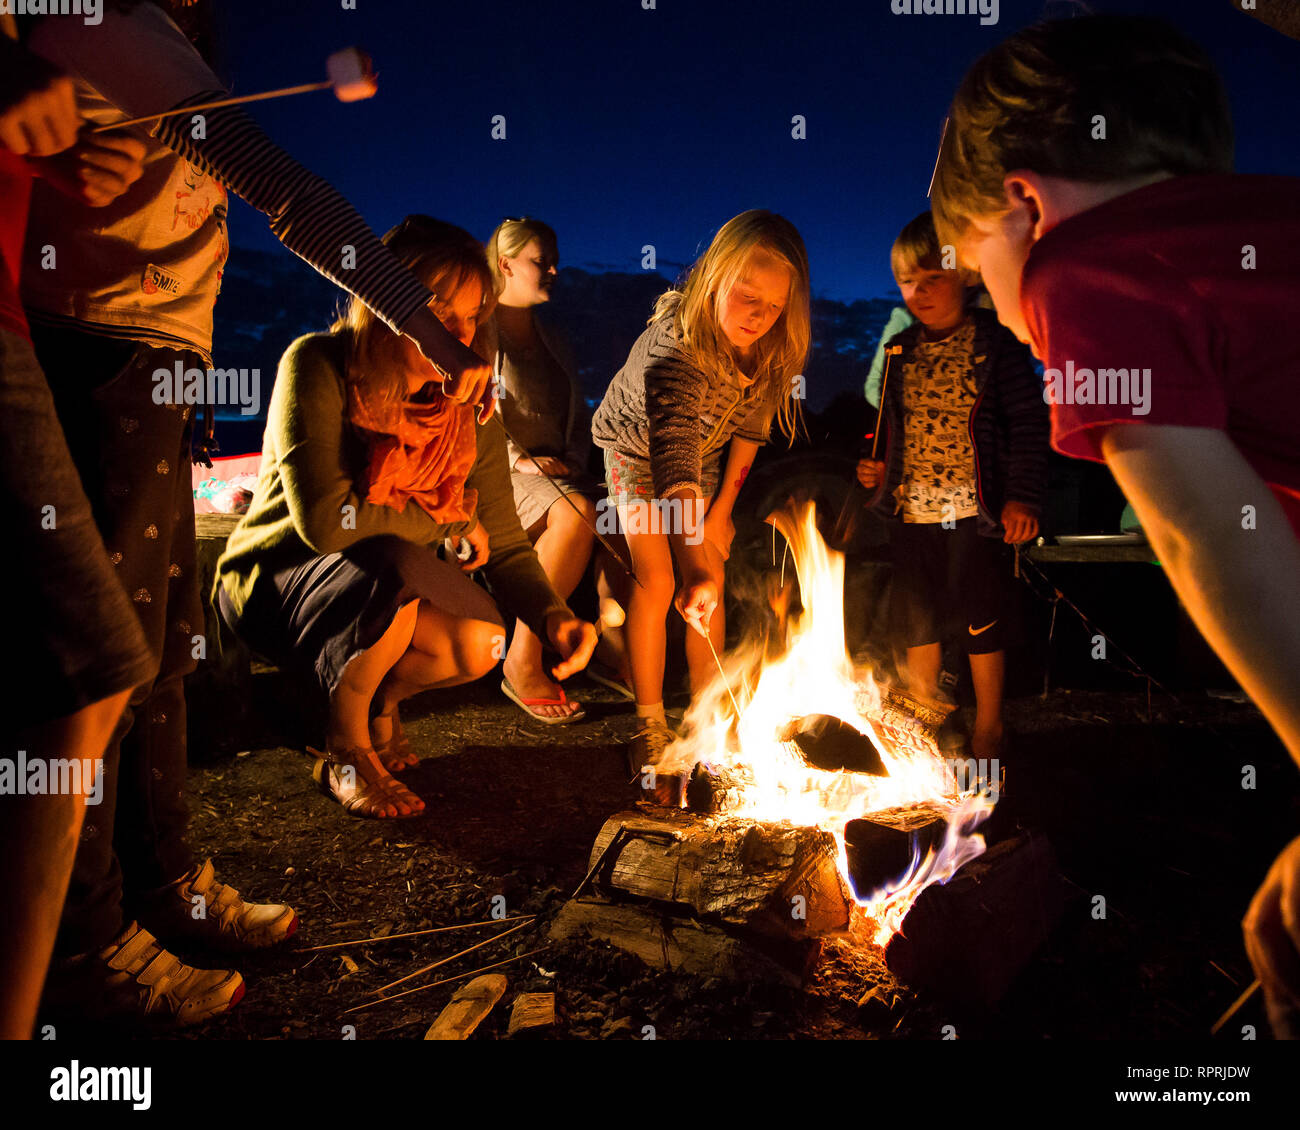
(148, 266)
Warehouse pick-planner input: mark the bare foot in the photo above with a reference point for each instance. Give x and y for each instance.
(389, 740)
(986, 743)
(531, 684)
(360, 783)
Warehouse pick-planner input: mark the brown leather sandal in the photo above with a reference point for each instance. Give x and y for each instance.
(397, 753)
(358, 797)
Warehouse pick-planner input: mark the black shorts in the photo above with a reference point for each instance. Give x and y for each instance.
(950, 579)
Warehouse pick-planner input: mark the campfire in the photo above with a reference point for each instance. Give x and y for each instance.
(816, 802)
(810, 687)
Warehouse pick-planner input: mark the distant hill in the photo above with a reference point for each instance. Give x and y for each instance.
(269, 299)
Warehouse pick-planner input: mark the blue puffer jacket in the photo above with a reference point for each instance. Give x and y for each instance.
(1010, 424)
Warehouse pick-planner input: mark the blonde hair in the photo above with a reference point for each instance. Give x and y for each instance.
(917, 249)
(510, 237)
(1032, 101)
(444, 258)
(696, 306)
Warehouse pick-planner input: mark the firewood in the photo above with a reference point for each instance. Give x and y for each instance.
(881, 846)
(966, 940)
(831, 744)
(467, 1008)
(531, 1011)
(771, 877)
(684, 944)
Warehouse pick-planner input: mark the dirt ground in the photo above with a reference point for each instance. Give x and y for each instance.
(1150, 813)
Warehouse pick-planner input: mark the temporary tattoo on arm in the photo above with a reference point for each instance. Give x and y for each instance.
(744, 474)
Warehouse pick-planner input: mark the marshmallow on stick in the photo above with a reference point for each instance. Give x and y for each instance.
(351, 75)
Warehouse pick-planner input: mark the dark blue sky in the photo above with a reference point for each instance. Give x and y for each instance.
(627, 127)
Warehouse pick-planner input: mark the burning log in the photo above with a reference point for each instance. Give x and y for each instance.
(966, 941)
(882, 845)
(733, 897)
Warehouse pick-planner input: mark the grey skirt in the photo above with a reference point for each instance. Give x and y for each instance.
(313, 618)
(534, 494)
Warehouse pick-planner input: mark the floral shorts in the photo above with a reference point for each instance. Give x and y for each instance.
(626, 476)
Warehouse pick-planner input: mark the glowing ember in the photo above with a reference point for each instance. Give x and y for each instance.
(815, 676)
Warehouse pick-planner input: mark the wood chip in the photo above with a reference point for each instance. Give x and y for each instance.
(467, 1008)
(531, 1011)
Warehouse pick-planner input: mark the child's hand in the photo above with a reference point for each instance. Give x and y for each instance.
(1272, 932)
(544, 464)
(38, 104)
(574, 639)
(696, 601)
(870, 472)
(97, 169)
(1020, 523)
(478, 540)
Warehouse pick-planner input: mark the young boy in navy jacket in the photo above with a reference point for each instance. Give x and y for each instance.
(963, 464)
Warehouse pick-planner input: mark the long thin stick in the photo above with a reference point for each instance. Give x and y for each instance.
(1235, 1007)
(453, 957)
(721, 672)
(444, 981)
(890, 354)
(417, 933)
(627, 568)
(283, 92)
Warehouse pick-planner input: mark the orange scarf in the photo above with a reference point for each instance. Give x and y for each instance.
(420, 451)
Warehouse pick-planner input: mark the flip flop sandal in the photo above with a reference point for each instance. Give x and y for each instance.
(358, 799)
(612, 681)
(527, 704)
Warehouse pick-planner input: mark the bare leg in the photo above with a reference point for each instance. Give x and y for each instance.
(987, 672)
(563, 544)
(38, 835)
(923, 665)
(349, 720)
(648, 603)
(699, 657)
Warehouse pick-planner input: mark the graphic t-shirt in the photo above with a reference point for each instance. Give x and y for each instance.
(1191, 284)
(938, 456)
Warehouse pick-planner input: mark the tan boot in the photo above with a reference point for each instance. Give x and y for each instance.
(135, 979)
(198, 909)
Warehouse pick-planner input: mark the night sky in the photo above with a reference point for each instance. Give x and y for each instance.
(627, 127)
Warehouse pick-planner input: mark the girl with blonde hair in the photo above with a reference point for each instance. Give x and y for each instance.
(548, 437)
(720, 359)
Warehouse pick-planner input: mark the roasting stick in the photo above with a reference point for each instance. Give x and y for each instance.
(416, 933)
(352, 78)
(721, 672)
(453, 957)
(1236, 1006)
(890, 354)
(627, 568)
(444, 981)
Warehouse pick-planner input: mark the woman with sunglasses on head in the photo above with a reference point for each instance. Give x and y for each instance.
(548, 436)
(334, 572)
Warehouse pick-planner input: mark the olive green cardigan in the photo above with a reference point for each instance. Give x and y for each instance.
(311, 461)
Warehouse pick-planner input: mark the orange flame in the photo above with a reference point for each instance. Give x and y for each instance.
(815, 675)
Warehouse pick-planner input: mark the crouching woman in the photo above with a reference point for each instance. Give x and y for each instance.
(334, 573)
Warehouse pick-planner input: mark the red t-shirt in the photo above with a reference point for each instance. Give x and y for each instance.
(15, 192)
(1159, 280)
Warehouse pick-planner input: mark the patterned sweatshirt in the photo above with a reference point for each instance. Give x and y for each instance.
(661, 407)
(1008, 426)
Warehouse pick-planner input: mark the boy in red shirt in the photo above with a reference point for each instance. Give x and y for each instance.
(1086, 172)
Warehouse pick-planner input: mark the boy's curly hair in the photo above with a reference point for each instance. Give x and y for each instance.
(1033, 103)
